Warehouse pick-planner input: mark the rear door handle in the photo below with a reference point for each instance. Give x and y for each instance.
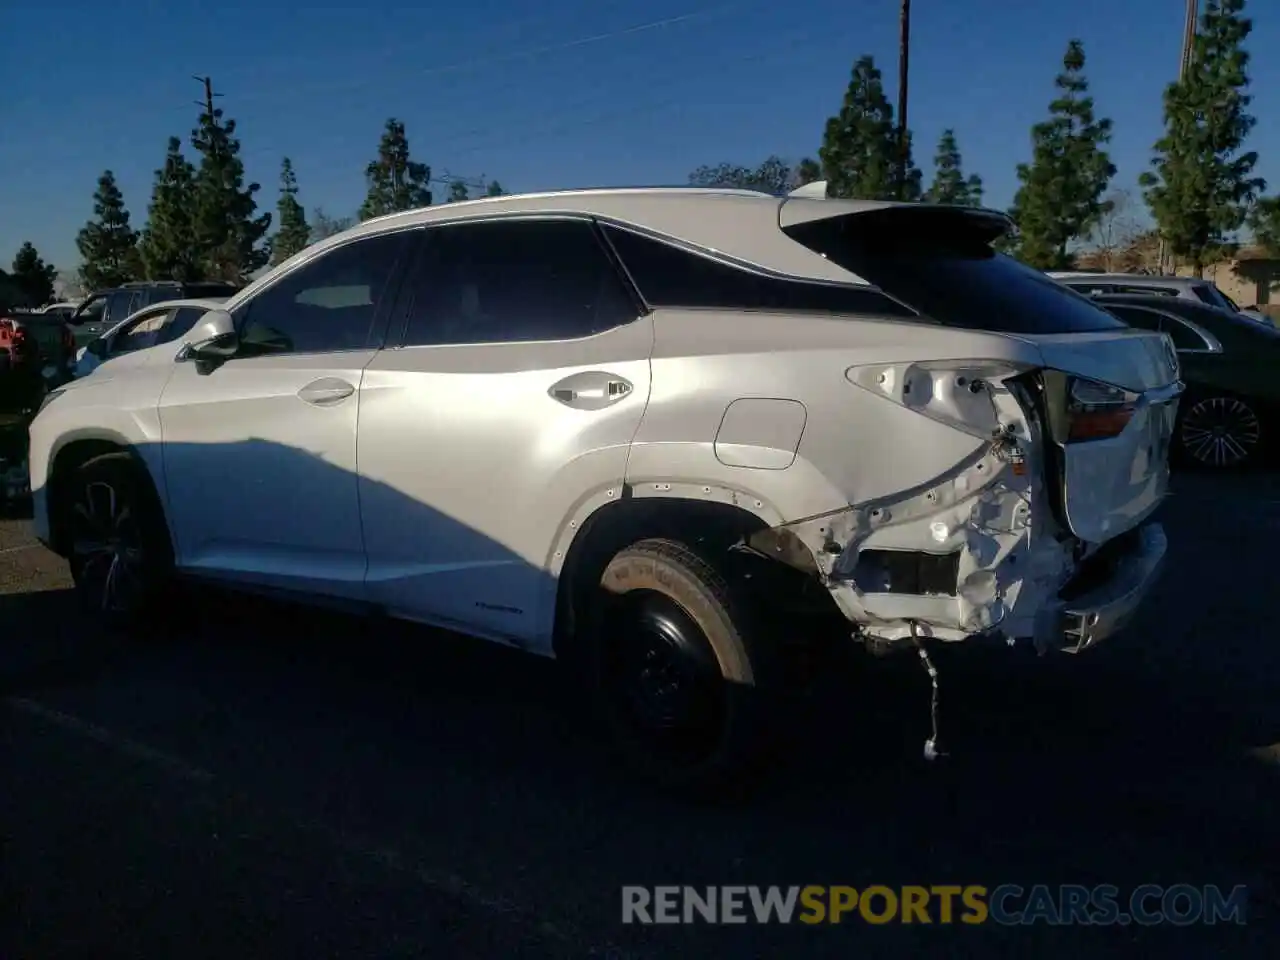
(326, 391)
(591, 390)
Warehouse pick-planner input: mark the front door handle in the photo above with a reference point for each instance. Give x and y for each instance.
(326, 391)
(591, 390)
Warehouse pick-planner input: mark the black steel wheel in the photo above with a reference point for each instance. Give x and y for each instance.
(682, 670)
(118, 544)
(1220, 432)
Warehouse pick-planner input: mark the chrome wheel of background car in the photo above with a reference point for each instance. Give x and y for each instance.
(107, 555)
(665, 692)
(1221, 432)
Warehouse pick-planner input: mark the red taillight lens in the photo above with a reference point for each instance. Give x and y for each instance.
(1097, 411)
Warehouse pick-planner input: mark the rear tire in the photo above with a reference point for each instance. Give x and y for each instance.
(118, 543)
(681, 670)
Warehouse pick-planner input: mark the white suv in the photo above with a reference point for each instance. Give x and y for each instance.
(634, 425)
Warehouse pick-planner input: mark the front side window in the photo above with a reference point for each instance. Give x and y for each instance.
(511, 281)
(1138, 317)
(141, 333)
(180, 323)
(1183, 336)
(329, 304)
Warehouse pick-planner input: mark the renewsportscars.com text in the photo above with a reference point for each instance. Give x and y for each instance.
(1007, 904)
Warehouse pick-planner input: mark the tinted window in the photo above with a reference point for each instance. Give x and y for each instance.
(1092, 289)
(328, 304)
(670, 276)
(200, 291)
(511, 281)
(141, 333)
(119, 305)
(1137, 316)
(1183, 337)
(1148, 291)
(180, 323)
(939, 261)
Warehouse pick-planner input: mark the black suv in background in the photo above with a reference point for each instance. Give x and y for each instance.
(103, 309)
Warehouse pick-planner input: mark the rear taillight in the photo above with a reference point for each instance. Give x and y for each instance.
(1097, 411)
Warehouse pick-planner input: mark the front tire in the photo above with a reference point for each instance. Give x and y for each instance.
(1220, 432)
(118, 544)
(681, 669)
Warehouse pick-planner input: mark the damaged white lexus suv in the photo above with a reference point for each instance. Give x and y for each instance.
(634, 429)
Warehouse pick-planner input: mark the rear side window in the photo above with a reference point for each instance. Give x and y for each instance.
(1138, 317)
(939, 261)
(513, 281)
(1210, 295)
(669, 276)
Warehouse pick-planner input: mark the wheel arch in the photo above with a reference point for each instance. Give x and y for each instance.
(721, 516)
(75, 452)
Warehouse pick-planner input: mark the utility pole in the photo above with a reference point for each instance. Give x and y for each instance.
(904, 50)
(1184, 65)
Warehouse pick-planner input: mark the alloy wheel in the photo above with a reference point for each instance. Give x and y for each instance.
(110, 563)
(1221, 432)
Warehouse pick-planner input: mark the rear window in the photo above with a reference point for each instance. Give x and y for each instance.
(1207, 293)
(940, 262)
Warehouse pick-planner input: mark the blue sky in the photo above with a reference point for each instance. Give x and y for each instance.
(561, 93)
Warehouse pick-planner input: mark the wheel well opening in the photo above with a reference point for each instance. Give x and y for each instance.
(712, 528)
(64, 465)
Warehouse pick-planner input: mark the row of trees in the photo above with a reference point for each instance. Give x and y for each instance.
(1201, 189)
(203, 221)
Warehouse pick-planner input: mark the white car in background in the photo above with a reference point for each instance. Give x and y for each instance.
(640, 430)
(161, 323)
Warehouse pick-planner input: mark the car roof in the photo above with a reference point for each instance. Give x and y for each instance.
(741, 225)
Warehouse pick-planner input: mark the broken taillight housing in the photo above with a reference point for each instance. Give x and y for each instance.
(1096, 410)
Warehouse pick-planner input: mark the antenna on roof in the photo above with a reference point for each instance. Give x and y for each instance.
(816, 189)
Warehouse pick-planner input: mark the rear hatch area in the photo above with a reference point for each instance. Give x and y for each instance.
(1106, 395)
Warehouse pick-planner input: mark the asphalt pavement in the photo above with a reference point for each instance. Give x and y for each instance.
(263, 781)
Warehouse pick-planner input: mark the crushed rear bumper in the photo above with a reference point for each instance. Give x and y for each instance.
(1106, 591)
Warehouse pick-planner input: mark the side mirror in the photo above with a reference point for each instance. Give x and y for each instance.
(212, 341)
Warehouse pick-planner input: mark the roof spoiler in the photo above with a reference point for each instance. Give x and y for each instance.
(815, 190)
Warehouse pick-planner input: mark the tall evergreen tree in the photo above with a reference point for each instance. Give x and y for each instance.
(294, 235)
(495, 189)
(950, 187)
(107, 244)
(228, 234)
(859, 151)
(33, 277)
(1061, 196)
(1203, 186)
(457, 192)
(395, 181)
(168, 243)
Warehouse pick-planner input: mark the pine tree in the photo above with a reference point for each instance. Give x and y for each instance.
(227, 232)
(950, 187)
(457, 192)
(860, 146)
(495, 189)
(108, 245)
(168, 245)
(32, 276)
(1203, 185)
(395, 182)
(294, 234)
(1061, 196)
